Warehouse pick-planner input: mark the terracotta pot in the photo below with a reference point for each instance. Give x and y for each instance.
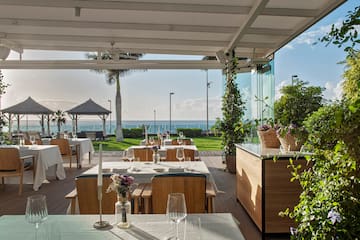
(290, 143)
(268, 138)
(230, 163)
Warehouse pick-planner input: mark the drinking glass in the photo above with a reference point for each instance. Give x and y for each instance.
(130, 154)
(181, 134)
(151, 140)
(36, 211)
(176, 210)
(32, 140)
(180, 154)
(180, 141)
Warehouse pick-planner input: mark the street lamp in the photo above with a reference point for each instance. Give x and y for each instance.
(293, 77)
(110, 115)
(154, 121)
(171, 93)
(207, 101)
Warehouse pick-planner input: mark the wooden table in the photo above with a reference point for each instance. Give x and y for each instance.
(263, 185)
(219, 226)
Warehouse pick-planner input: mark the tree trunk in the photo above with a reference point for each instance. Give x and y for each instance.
(119, 132)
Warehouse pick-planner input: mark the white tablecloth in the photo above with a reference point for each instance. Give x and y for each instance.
(216, 226)
(46, 156)
(144, 171)
(86, 146)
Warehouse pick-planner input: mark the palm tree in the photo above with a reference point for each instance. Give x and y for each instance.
(59, 118)
(113, 76)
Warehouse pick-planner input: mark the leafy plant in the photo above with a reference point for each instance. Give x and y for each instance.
(346, 33)
(297, 102)
(233, 107)
(329, 206)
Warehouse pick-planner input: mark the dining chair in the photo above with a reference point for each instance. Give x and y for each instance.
(38, 142)
(143, 154)
(171, 154)
(12, 165)
(67, 150)
(85, 194)
(185, 141)
(198, 193)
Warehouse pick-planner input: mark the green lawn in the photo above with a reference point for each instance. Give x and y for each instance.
(202, 143)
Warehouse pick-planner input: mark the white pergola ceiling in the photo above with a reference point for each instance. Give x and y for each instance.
(254, 28)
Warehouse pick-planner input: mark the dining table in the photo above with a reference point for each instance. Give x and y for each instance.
(85, 144)
(167, 141)
(215, 226)
(48, 162)
(162, 149)
(144, 171)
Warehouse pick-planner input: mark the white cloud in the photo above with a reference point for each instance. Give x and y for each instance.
(333, 90)
(278, 87)
(195, 109)
(311, 36)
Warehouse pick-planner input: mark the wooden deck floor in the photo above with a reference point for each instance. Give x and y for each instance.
(225, 201)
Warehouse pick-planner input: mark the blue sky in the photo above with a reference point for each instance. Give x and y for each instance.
(146, 91)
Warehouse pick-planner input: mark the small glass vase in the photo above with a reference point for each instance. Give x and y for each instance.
(123, 211)
(156, 157)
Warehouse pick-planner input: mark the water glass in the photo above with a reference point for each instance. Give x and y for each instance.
(180, 154)
(32, 140)
(151, 140)
(36, 211)
(130, 154)
(176, 210)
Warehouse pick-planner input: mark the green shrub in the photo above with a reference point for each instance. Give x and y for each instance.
(329, 206)
(133, 132)
(323, 126)
(190, 132)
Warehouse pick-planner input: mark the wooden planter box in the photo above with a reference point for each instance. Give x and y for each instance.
(263, 186)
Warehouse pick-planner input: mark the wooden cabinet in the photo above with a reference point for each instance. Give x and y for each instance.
(264, 188)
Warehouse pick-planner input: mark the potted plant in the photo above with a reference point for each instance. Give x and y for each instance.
(296, 103)
(232, 128)
(267, 134)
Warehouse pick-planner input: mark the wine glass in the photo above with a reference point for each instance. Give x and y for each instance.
(181, 135)
(151, 140)
(180, 154)
(180, 141)
(36, 211)
(176, 210)
(130, 154)
(32, 140)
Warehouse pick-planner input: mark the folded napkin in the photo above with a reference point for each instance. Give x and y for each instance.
(176, 170)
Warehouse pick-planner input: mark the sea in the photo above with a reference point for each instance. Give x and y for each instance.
(153, 127)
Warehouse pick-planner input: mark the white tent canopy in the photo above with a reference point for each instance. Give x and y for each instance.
(255, 29)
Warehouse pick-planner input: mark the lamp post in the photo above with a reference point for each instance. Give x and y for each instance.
(207, 101)
(154, 121)
(293, 77)
(110, 115)
(170, 94)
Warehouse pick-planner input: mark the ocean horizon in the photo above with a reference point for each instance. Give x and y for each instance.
(96, 125)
